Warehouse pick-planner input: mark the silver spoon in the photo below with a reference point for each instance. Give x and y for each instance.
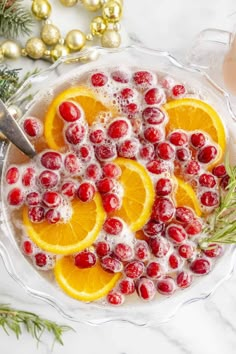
(11, 129)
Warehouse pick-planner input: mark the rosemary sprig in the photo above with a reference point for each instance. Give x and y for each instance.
(15, 320)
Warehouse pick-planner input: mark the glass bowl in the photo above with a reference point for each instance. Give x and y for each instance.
(41, 87)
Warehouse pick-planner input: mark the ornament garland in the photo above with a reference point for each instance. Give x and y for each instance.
(51, 45)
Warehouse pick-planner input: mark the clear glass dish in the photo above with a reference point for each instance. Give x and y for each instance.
(45, 84)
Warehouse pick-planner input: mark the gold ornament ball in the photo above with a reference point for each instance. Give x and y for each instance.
(41, 9)
(59, 51)
(98, 26)
(10, 49)
(111, 39)
(69, 3)
(92, 5)
(75, 40)
(35, 48)
(112, 11)
(50, 34)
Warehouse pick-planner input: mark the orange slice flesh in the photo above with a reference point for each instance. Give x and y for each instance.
(87, 284)
(53, 125)
(65, 238)
(138, 194)
(193, 114)
(185, 196)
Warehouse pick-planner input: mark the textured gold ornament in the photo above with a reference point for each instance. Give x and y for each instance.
(50, 34)
(69, 3)
(111, 39)
(92, 5)
(35, 48)
(75, 40)
(98, 26)
(112, 11)
(10, 49)
(41, 9)
(89, 37)
(59, 51)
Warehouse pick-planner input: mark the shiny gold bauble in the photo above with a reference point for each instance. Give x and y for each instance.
(50, 34)
(41, 9)
(92, 5)
(98, 26)
(10, 49)
(69, 3)
(59, 51)
(35, 48)
(112, 11)
(111, 39)
(75, 40)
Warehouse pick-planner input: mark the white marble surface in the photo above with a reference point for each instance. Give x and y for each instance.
(207, 327)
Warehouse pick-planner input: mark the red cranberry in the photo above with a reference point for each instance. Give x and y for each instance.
(178, 138)
(40, 259)
(105, 185)
(213, 250)
(118, 129)
(85, 153)
(153, 115)
(85, 259)
(207, 154)
(207, 180)
(123, 252)
(74, 133)
(166, 286)
(27, 248)
(53, 216)
(159, 246)
(143, 78)
(97, 136)
(146, 152)
(225, 182)
(153, 135)
(113, 226)
(128, 148)
(36, 214)
(200, 266)
(154, 270)
(165, 151)
(28, 177)
(219, 171)
(178, 90)
(130, 109)
(68, 189)
(176, 233)
(126, 93)
(134, 270)
(163, 187)
(12, 175)
(69, 111)
(156, 167)
(105, 151)
(51, 199)
(184, 279)
(163, 209)
(185, 251)
(48, 179)
(183, 154)
(210, 199)
(111, 170)
(93, 171)
(32, 127)
(99, 79)
(193, 168)
(15, 197)
(127, 286)
(174, 261)
(120, 76)
(198, 140)
(72, 164)
(146, 289)
(154, 96)
(141, 251)
(111, 264)
(153, 228)
(194, 228)
(184, 214)
(110, 202)
(33, 198)
(115, 298)
(86, 192)
(102, 249)
(166, 82)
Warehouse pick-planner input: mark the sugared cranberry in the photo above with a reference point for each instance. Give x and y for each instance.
(113, 226)
(106, 151)
(184, 279)
(200, 266)
(154, 96)
(118, 129)
(111, 170)
(146, 152)
(163, 187)
(153, 135)
(36, 213)
(53, 216)
(207, 154)
(194, 228)
(143, 78)
(111, 264)
(178, 90)
(166, 82)
(156, 167)
(219, 171)
(99, 79)
(225, 182)
(93, 171)
(105, 185)
(153, 115)
(40, 259)
(184, 214)
(33, 198)
(146, 289)
(69, 111)
(15, 197)
(128, 148)
(207, 180)
(123, 252)
(183, 154)
(48, 179)
(126, 286)
(110, 202)
(68, 189)
(165, 151)
(154, 270)
(85, 153)
(102, 249)
(12, 175)
(153, 228)
(159, 246)
(27, 248)
(198, 140)
(185, 251)
(28, 177)
(126, 93)
(120, 76)
(178, 138)
(115, 298)
(97, 136)
(33, 127)
(86, 192)
(176, 233)
(193, 168)
(51, 199)
(166, 286)
(213, 250)
(130, 109)
(174, 261)
(72, 164)
(163, 209)
(74, 133)
(134, 269)
(85, 259)
(141, 251)
(210, 199)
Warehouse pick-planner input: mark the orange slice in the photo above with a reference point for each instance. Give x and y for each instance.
(84, 284)
(138, 194)
(185, 196)
(193, 114)
(53, 125)
(75, 235)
